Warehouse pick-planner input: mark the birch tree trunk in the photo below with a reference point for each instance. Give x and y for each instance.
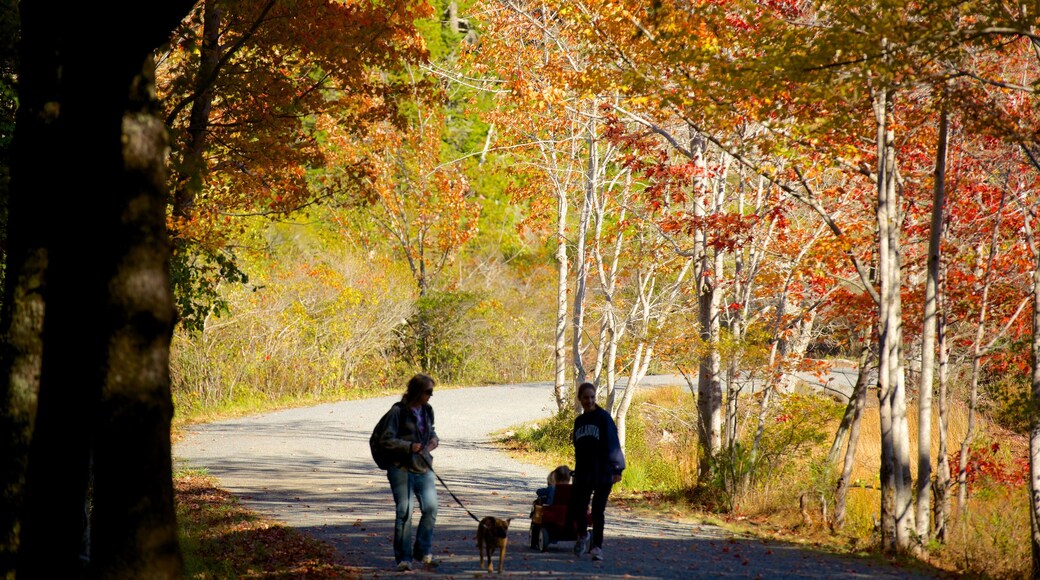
(560, 387)
(850, 408)
(928, 332)
(640, 364)
(1034, 399)
(1034, 428)
(606, 355)
(896, 501)
(857, 403)
(581, 276)
(942, 471)
(709, 387)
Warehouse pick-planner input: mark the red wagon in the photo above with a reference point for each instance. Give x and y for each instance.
(548, 522)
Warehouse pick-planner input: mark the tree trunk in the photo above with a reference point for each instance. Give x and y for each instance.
(560, 387)
(606, 357)
(857, 403)
(1034, 430)
(581, 263)
(942, 472)
(896, 509)
(134, 530)
(192, 165)
(640, 363)
(847, 418)
(732, 407)
(709, 387)
(109, 312)
(1034, 400)
(928, 332)
(31, 191)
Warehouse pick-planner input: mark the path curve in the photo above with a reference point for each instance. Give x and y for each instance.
(310, 468)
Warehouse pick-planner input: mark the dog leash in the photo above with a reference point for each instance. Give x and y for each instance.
(451, 493)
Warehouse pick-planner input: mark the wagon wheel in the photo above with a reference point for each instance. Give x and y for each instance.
(545, 540)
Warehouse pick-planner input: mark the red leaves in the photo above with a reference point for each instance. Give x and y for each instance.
(987, 464)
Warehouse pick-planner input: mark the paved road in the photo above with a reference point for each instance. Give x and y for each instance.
(310, 468)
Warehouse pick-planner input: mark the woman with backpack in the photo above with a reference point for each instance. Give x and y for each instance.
(409, 437)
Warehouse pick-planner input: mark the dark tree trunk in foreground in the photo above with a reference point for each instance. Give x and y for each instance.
(90, 154)
(22, 317)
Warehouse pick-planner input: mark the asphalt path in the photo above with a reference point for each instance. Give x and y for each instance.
(310, 469)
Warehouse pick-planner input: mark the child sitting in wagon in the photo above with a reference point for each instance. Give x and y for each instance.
(561, 474)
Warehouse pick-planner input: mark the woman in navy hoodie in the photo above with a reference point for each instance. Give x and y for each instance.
(598, 463)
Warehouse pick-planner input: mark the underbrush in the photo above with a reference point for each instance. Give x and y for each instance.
(786, 491)
(320, 321)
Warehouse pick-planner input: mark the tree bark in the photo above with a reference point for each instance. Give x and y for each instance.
(94, 373)
(850, 408)
(582, 267)
(560, 387)
(928, 332)
(896, 509)
(1034, 429)
(857, 403)
(31, 189)
(709, 386)
(134, 530)
(640, 363)
(1029, 224)
(942, 471)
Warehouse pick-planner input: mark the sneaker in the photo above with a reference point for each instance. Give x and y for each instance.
(580, 545)
(597, 553)
(429, 562)
(404, 566)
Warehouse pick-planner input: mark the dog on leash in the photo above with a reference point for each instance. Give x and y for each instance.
(492, 533)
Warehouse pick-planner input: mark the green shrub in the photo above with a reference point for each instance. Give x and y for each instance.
(1009, 402)
(429, 338)
(661, 441)
(550, 439)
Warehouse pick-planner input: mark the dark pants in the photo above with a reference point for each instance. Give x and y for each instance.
(581, 494)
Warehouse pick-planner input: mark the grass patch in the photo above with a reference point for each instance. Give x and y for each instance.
(546, 442)
(221, 539)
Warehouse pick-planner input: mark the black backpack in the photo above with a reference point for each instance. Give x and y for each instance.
(382, 456)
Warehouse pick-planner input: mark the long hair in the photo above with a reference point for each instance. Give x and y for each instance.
(416, 386)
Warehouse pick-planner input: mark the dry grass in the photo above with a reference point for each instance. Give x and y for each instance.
(989, 538)
(868, 451)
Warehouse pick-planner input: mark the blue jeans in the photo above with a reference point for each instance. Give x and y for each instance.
(404, 484)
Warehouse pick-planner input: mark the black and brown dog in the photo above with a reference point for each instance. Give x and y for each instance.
(492, 533)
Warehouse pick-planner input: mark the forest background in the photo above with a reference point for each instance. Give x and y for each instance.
(506, 192)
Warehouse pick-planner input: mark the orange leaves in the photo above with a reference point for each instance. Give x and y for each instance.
(245, 109)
